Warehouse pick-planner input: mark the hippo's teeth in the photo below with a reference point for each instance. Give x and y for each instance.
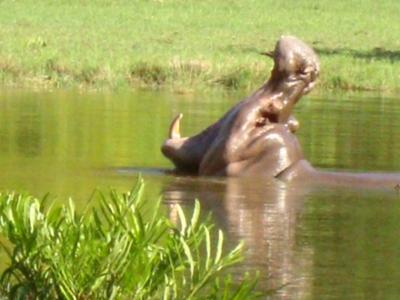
(174, 132)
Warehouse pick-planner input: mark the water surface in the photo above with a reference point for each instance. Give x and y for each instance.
(315, 243)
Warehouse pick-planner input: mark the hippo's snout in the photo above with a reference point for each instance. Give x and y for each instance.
(295, 62)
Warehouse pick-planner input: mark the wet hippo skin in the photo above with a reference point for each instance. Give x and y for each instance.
(257, 136)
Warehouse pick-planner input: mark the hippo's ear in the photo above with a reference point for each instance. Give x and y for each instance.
(268, 53)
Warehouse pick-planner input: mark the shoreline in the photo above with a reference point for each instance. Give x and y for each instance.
(190, 46)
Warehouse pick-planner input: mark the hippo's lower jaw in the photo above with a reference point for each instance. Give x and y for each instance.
(256, 135)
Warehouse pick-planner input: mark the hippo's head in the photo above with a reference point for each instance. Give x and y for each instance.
(256, 135)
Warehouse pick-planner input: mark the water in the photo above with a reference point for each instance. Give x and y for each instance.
(320, 243)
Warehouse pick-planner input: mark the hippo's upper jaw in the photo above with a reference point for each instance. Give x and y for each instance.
(256, 135)
(296, 68)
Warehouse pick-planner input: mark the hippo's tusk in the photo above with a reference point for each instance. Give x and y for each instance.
(174, 132)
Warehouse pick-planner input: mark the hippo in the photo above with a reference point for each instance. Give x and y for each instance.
(257, 136)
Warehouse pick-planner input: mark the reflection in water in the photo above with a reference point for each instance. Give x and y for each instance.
(323, 244)
(309, 242)
(262, 214)
(60, 142)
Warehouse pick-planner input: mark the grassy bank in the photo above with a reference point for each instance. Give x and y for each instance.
(117, 249)
(186, 45)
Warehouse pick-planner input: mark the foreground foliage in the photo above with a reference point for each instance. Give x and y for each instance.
(110, 252)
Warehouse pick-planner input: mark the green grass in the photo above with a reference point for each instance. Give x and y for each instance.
(117, 248)
(192, 44)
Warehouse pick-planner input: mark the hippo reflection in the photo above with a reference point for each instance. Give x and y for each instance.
(265, 214)
(257, 136)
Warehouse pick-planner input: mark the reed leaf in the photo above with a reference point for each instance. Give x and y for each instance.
(111, 250)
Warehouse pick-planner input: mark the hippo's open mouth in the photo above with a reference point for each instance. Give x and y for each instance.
(254, 135)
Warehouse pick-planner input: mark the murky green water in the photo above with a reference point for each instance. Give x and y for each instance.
(322, 243)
